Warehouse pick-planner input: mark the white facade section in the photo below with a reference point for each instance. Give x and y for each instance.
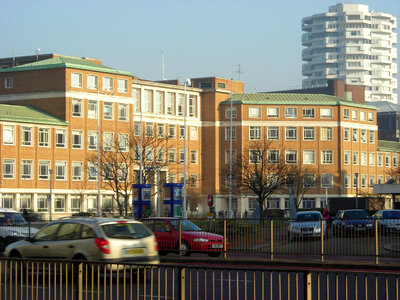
(353, 44)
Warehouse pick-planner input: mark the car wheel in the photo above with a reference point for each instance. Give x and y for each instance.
(214, 254)
(184, 250)
(76, 266)
(162, 253)
(14, 265)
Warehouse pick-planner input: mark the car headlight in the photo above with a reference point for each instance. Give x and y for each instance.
(317, 229)
(13, 233)
(200, 240)
(349, 225)
(369, 225)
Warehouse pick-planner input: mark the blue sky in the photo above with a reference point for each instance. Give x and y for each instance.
(199, 38)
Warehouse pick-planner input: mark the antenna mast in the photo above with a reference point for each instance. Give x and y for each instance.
(239, 71)
(162, 64)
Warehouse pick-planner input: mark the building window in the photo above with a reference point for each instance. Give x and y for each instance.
(362, 116)
(108, 111)
(76, 139)
(380, 160)
(75, 203)
(254, 156)
(346, 157)
(206, 85)
(76, 108)
(355, 135)
(291, 156)
(308, 112)
(346, 113)
(122, 172)
(327, 157)
(136, 128)
(92, 109)
(122, 86)
(61, 167)
(160, 130)
(254, 112)
(363, 158)
(346, 180)
(354, 115)
(59, 203)
(273, 112)
(76, 80)
(158, 103)
(395, 161)
(8, 168)
(76, 171)
(8, 134)
(147, 101)
(171, 131)
(181, 132)
(192, 106)
(372, 137)
(169, 101)
(346, 134)
(149, 154)
(273, 156)
(363, 181)
(123, 142)
(308, 203)
(228, 113)
(326, 181)
(355, 158)
(26, 169)
(309, 181)
(194, 133)
(44, 134)
(25, 201)
(363, 136)
(370, 117)
(92, 82)
(60, 138)
(227, 156)
(92, 171)
(160, 154)
(325, 113)
(26, 136)
(180, 104)
(43, 169)
(221, 85)
(171, 155)
(8, 82)
(326, 134)
(308, 133)
(380, 179)
(273, 133)
(255, 133)
(108, 141)
(92, 140)
(108, 84)
(181, 156)
(193, 156)
(136, 101)
(387, 160)
(291, 133)
(308, 157)
(290, 112)
(123, 112)
(227, 133)
(372, 158)
(42, 203)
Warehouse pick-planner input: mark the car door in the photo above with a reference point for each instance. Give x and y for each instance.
(65, 242)
(164, 233)
(41, 246)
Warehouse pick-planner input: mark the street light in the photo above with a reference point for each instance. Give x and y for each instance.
(356, 174)
(51, 187)
(98, 154)
(158, 204)
(230, 160)
(184, 212)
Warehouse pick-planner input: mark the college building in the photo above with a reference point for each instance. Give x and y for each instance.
(61, 117)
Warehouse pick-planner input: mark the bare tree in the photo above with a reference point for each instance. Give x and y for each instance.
(120, 157)
(260, 170)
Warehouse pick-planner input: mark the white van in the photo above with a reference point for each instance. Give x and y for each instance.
(13, 227)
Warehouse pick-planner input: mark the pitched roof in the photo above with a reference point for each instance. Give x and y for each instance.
(27, 114)
(65, 62)
(292, 99)
(385, 106)
(388, 146)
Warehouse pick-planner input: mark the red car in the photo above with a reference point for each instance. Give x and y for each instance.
(193, 238)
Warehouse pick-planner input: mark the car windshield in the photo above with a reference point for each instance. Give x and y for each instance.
(307, 217)
(12, 219)
(185, 225)
(125, 230)
(394, 214)
(355, 215)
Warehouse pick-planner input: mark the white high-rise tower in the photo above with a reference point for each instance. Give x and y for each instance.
(353, 44)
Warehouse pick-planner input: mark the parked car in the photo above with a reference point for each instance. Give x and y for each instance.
(388, 220)
(193, 238)
(13, 227)
(95, 239)
(352, 220)
(307, 224)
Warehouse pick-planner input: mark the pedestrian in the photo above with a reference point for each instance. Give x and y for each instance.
(25, 214)
(326, 215)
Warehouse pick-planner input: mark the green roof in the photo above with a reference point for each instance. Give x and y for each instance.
(65, 62)
(388, 146)
(27, 114)
(292, 99)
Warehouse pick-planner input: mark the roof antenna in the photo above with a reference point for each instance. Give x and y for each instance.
(37, 54)
(239, 71)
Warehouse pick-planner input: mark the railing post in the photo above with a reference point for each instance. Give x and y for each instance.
(308, 286)
(376, 242)
(182, 283)
(80, 282)
(224, 238)
(272, 240)
(180, 237)
(322, 239)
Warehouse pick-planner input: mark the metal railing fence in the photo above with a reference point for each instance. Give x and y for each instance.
(39, 279)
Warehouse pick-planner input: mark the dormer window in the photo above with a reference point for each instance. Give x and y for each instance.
(8, 82)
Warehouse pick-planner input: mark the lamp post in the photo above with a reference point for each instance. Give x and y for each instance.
(98, 154)
(184, 211)
(230, 160)
(50, 196)
(356, 174)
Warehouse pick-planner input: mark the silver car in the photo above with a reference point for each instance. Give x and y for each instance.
(307, 224)
(94, 239)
